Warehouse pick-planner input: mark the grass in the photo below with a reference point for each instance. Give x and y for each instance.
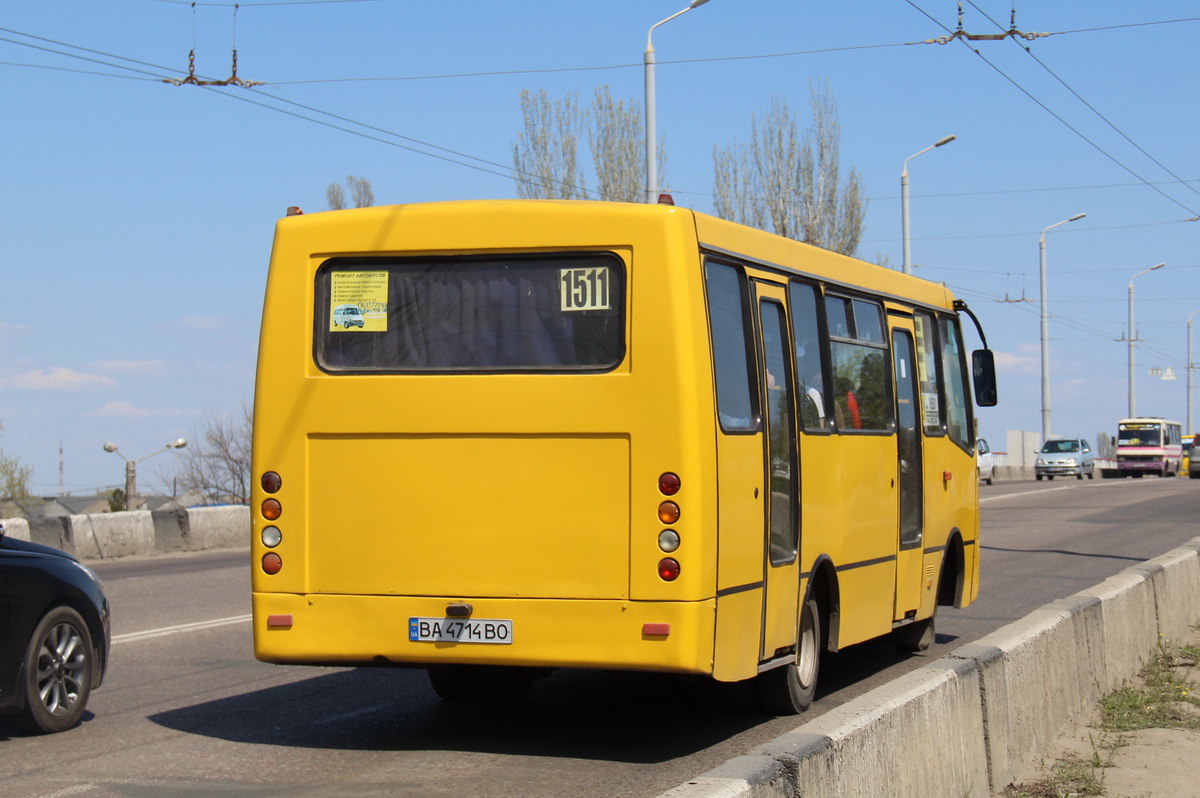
(1165, 695)
(1070, 776)
(1161, 698)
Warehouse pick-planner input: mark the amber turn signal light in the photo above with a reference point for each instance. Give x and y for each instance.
(271, 509)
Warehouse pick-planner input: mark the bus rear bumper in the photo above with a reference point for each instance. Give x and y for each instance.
(319, 629)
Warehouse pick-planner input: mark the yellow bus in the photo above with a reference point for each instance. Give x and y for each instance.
(602, 435)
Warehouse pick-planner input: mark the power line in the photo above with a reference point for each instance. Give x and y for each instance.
(1047, 109)
(1090, 107)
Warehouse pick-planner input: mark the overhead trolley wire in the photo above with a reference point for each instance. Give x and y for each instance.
(1047, 109)
(1029, 51)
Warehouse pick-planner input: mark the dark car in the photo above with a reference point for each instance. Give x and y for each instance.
(54, 636)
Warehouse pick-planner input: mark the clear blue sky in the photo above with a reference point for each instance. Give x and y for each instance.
(136, 216)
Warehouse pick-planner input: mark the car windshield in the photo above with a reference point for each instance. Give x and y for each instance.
(1060, 446)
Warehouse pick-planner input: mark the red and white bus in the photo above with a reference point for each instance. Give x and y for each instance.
(1149, 446)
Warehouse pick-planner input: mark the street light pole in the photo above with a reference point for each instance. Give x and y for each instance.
(1046, 328)
(131, 467)
(651, 122)
(904, 201)
(1190, 429)
(1132, 383)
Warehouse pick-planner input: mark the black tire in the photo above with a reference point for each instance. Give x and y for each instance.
(58, 672)
(1092, 474)
(1038, 477)
(481, 683)
(1080, 475)
(789, 690)
(916, 636)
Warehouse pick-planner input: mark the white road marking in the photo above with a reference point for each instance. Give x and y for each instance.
(179, 629)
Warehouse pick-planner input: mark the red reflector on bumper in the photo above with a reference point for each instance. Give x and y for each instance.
(279, 621)
(661, 629)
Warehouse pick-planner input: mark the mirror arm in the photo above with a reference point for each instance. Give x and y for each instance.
(961, 307)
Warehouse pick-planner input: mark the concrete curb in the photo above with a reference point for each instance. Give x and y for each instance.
(112, 535)
(987, 709)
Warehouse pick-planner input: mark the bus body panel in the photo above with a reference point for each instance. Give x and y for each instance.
(469, 515)
(374, 630)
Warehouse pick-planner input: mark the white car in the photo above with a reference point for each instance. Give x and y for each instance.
(985, 461)
(1065, 457)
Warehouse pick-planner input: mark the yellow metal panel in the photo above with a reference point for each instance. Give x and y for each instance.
(469, 515)
(739, 620)
(553, 633)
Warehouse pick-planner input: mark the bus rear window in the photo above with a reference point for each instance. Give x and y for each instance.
(487, 314)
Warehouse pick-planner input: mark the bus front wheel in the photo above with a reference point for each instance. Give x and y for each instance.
(789, 690)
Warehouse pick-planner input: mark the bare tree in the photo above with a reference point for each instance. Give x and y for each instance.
(789, 181)
(546, 157)
(360, 193)
(335, 195)
(617, 141)
(216, 463)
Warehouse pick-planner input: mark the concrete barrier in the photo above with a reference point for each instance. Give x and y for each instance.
(981, 714)
(111, 535)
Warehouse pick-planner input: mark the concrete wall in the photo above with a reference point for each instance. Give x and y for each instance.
(110, 535)
(968, 723)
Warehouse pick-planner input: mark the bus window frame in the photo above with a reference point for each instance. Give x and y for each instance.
(822, 349)
(749, 341)
(967, 444)
(929, 329)
(884, 347)
(792, 535)
(322, 303)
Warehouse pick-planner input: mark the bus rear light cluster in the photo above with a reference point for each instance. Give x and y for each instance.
(668, 539)
(271, 536)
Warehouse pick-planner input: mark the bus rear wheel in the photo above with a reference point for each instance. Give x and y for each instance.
(789, 690)
(481, 683)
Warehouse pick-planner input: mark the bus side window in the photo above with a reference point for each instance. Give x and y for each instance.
(731, 345)
(958, 420)
(861, 377)
(927, 374)
(810, 361)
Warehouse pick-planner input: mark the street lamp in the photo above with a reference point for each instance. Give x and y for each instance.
(651, 132)
(904, 200)
(1046, 329)
(1190, 429)
(131, 466)
(1132, 386)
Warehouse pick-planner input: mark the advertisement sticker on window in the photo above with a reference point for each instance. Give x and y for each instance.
(358, 301)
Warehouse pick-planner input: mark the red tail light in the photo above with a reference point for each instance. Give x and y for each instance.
(668, 569)
(271, 482)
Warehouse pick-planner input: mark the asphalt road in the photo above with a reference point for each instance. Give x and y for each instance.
(187, 711)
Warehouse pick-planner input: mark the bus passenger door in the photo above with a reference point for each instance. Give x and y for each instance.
(781, 577)
(911, 494)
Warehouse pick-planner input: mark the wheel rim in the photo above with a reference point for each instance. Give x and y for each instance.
(806, 657)
(61, 665)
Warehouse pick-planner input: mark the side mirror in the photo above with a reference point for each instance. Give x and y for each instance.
(983, 374)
